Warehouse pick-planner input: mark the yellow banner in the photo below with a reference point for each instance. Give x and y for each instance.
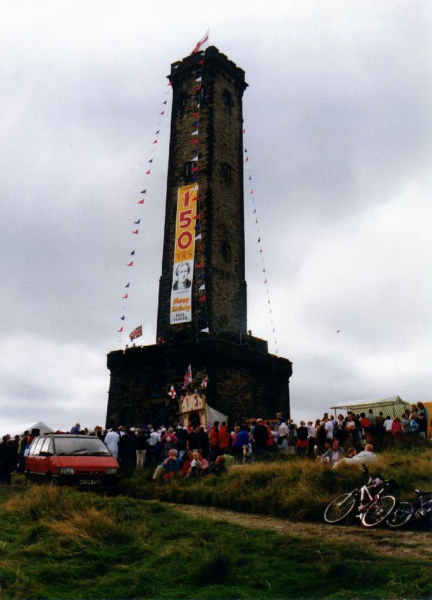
(184, 253)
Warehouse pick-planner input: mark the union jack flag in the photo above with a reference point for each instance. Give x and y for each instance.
(136, 333)
(188, 377)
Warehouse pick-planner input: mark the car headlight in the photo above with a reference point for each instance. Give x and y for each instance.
(67, 471)
(111, 471)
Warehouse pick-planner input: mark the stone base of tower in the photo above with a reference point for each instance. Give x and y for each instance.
(244, 380)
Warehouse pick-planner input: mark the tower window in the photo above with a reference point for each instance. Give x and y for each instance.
(181, 103)
(227, 98)
(187, 171)
(226, 172)
(226, 252)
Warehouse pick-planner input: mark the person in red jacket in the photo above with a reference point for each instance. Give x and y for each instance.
(224, 438)
(214, 441)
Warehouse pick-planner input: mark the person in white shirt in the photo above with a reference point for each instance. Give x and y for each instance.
(365, 456)
(329, 428)
(111, 441)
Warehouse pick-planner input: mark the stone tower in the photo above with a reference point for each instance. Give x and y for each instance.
(202, 310)
(207, 125)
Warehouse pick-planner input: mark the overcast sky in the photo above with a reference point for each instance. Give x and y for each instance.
(338, 119)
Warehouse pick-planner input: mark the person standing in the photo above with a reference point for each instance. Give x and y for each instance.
(140, 449)
(214, 441)
(260, 435)
(112, 440)
(302, 439)
(224, 438)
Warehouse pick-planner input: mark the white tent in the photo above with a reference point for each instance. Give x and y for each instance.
(213, 415)
(393, 406)
(19, 429)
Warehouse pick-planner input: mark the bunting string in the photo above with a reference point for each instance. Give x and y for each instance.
(137, 209)
(253, 204)
(202, 324)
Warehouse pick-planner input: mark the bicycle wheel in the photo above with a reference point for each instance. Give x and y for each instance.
(401, 515)
(339, 508)
(379, 512)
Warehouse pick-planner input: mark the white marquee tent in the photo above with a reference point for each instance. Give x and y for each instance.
(393, 406)
(19, 429)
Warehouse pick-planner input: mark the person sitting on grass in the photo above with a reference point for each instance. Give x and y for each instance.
(169, 467)
(187, 460)
(218, 467)
(333, 454)
(365, 456)
(196, 467)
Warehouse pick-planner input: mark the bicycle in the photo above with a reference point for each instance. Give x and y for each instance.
(416, 510)
(372, 504)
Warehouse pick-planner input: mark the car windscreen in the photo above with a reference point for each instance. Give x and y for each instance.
(82, 446)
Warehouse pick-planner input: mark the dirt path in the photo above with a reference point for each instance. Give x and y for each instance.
(402, 543)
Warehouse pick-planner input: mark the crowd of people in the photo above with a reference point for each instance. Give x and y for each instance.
(193, 451)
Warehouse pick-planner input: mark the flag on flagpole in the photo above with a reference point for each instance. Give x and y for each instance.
(136, 333)
(188, 377)
(201, 43)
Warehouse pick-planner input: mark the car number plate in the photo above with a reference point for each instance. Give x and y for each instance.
(89, 481)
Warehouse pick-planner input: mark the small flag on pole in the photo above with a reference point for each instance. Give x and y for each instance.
(201, 43)
(188, 377)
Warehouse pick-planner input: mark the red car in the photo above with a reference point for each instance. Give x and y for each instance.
(77, 460)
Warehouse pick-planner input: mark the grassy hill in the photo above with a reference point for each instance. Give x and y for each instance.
(59, 543)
